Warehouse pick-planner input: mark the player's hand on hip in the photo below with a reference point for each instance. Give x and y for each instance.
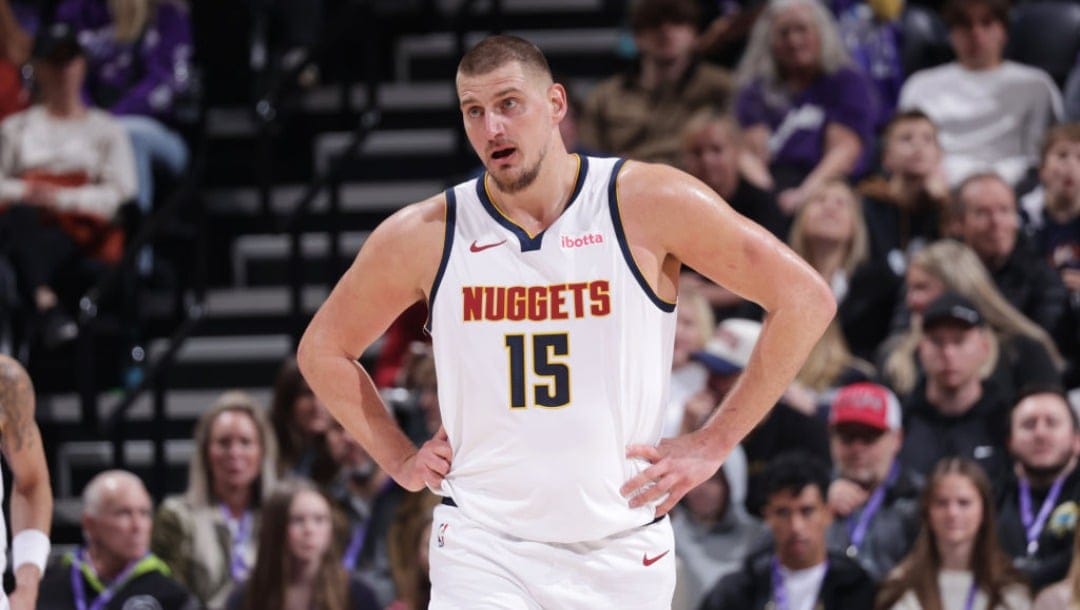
(429, 465)
(677, 465)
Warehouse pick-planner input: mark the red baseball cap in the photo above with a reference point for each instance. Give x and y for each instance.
(868, 404)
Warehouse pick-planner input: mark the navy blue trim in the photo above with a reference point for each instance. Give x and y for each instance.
(620, 235)
(528, 244)
(448, 244)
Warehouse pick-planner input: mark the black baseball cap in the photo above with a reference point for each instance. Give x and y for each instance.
(57, 43)
(952, 308)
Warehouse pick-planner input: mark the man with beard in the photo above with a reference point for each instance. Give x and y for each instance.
(551, 284)
(875, 501)
(1038, 512)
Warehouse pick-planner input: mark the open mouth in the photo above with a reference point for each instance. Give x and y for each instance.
(503, 153)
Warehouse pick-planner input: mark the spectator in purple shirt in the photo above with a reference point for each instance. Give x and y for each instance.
(139, 55)
(809, 114)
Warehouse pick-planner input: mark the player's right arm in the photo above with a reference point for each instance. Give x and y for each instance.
(395, 268)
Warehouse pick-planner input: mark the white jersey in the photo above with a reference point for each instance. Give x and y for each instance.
(553, 354)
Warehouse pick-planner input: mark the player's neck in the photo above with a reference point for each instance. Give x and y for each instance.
(540, 204)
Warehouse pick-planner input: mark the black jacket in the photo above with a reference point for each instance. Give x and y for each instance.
(978, 434)
(1032, 286)
(846, 586)
(151, 588)
(1051, 561)
(891, 532)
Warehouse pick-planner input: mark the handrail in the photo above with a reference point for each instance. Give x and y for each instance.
(195, 313)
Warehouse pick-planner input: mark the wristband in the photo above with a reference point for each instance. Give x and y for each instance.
(30, 546)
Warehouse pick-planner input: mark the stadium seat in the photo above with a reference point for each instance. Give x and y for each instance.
(925, 39)
(1046, 35)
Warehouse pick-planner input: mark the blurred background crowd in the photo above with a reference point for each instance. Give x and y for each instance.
(179, 183)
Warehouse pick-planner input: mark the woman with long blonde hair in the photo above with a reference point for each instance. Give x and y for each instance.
(1022, 353)
(829, 232)
(956, 563)
(209, 535)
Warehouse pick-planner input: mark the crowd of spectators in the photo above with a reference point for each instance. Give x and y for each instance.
(925, 457)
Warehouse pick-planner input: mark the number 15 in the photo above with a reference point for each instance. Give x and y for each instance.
(552, 392)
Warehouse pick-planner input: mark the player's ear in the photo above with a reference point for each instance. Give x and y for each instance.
(557, 99)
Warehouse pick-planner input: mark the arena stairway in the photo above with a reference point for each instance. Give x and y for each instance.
(248, 327)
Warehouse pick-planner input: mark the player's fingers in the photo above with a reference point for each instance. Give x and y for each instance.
(438, 465)
(642, 479)
(442, 450)
(652, 492)
(669, 503)
(646, 452)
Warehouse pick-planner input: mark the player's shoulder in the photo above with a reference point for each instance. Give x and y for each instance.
(641, 183)
(416, 221)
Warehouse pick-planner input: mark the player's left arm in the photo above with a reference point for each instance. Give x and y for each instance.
(671, 218)
(31, 495)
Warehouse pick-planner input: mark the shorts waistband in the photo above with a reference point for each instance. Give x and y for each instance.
(448, 501)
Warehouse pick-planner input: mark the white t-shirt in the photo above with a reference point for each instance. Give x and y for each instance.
(987, 119)
(954, 586)
(803, 586)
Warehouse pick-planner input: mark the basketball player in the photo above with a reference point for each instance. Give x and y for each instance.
(31, 496)
(551, 282)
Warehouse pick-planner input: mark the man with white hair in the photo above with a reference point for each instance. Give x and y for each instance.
(115, 569)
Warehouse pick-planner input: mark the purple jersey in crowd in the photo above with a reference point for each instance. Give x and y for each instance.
(143, 77)
(798, 124)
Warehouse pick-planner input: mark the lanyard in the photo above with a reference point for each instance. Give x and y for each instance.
(356, 544)
(78, 584)
(969, 603)
(239, 532)
(780, 596)
(1033, 525)
(858, 528)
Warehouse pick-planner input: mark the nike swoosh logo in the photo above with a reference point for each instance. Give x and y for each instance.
(478, 248)
(648, 561)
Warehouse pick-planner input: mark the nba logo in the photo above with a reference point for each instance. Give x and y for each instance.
(441, 538)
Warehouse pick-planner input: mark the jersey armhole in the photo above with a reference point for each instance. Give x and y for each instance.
(624, 245)
(448, 244)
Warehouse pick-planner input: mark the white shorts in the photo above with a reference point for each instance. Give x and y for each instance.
(476, 568)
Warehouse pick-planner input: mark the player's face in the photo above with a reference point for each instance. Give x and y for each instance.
(121, 529)
(710, 155)
(829, 215)
(1042, 437)
(956, 511)
(922, 288)
(979, 39)
(912, 149)
(1060, 175)
(309, 527)
(511, 116)
(234, 453)
(798, 523)
(796, 44)
(990, 220)
(863, 454)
